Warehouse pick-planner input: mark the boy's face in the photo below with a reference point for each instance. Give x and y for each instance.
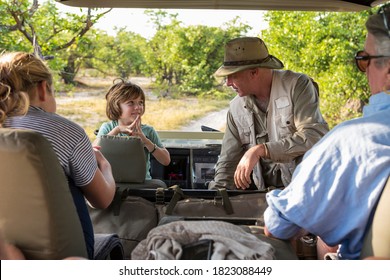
(131, 109)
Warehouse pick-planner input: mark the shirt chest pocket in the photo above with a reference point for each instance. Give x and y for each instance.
(244, 127)
(245, 135)
(284, 117)
(286, 125)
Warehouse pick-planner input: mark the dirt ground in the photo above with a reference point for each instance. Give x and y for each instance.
(215, 120)
(92, 86)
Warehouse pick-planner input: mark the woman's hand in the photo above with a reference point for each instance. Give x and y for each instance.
(100, 159)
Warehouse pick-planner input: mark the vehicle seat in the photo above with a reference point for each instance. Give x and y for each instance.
(131, 217)
(37, 212)
(127, 158)
(377, 240)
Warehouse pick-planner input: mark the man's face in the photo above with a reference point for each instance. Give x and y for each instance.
(378, 76)
(240, 82)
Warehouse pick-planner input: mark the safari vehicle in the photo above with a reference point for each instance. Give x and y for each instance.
(193, 154)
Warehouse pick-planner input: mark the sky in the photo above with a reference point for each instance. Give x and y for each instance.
(135, 20)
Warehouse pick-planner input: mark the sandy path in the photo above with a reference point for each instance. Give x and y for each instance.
(216, 120)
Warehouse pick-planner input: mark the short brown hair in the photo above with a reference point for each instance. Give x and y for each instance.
(120, 92)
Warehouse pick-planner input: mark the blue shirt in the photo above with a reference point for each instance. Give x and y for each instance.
(147, 130)
(338, 183)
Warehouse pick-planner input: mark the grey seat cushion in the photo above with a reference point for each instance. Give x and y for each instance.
(126, 156)
(377, 240)
(36, 207)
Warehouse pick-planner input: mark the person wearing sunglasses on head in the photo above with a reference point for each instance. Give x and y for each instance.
(336, 188)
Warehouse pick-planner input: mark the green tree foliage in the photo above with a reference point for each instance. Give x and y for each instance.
(202, 54)
(47, 32)
(10, 39)
(187, 57)
(120, 55)
(163, 50)
(129, 58)
(322, 45)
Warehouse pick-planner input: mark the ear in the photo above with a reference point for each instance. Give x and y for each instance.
(388, 72)
(387, 82)
(254, 72)
(42, 91)
(388, 66)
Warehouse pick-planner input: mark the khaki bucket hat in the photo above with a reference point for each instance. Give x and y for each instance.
(244, 53)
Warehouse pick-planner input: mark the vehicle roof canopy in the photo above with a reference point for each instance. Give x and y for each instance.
(293, 5)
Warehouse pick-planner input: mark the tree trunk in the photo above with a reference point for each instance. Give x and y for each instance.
(70, 70)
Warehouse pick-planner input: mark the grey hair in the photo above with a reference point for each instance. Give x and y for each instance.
(375, 26)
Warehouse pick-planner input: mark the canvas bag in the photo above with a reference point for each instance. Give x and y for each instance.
(130, 217)
(246, 206)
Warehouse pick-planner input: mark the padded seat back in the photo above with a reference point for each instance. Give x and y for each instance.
(127, 158)
(377, 239)
(37, 212)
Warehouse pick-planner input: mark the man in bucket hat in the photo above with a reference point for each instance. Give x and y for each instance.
(272, 122)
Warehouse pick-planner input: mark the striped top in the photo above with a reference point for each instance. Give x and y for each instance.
(69, 141)
(74, 151)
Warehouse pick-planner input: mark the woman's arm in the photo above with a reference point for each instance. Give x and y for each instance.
(101, 190)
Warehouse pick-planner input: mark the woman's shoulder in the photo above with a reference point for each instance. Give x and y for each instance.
(70, 128)
(53, 121)
(58, 129)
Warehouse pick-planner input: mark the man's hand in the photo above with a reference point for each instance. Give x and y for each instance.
(242, 176)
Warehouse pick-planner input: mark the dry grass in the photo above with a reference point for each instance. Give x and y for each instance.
(87, 112)
(162, 114)
(85, 105)
(168, 114)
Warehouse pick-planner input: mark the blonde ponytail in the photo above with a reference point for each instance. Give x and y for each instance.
(20, 72)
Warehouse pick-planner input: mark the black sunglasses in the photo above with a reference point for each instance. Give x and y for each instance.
(362, 60)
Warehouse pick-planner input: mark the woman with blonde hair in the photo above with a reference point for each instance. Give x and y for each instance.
(27, 102)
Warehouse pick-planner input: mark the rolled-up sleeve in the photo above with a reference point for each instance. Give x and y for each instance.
(276, 223)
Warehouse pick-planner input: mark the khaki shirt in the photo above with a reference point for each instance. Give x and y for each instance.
(291, 126)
